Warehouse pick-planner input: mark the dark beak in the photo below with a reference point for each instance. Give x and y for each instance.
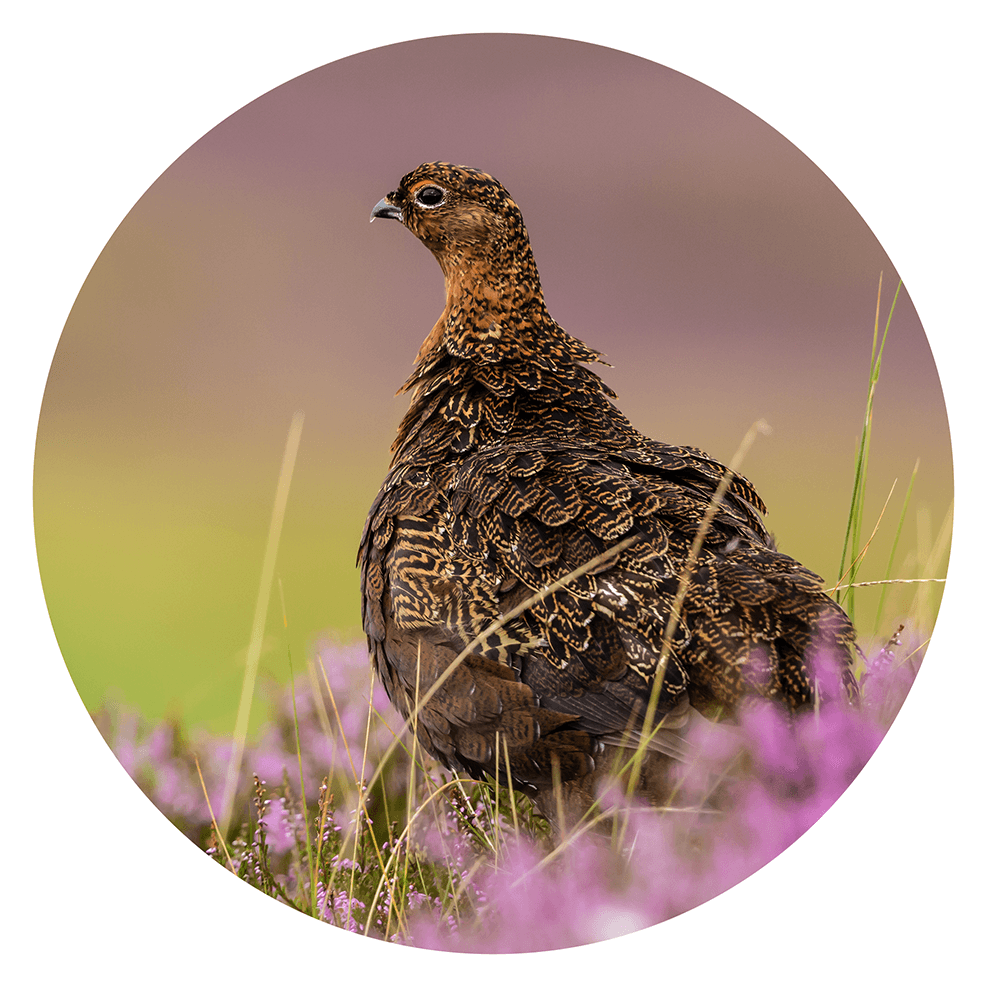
(385, 210)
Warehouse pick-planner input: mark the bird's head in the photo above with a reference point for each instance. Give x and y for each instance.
(494, 310)
(465, 217)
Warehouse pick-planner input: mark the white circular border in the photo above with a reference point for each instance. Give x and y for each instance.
(966, 430)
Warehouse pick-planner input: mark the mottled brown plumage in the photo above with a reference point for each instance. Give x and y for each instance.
(511, 469)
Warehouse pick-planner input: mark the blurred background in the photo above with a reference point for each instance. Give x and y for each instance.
(723, 275)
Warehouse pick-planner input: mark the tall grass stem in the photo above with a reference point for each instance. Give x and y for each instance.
(260, 616)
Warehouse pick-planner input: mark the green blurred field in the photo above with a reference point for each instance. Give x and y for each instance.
(152, 594)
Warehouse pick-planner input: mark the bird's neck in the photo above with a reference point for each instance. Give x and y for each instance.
(494, 304)
(497, 367)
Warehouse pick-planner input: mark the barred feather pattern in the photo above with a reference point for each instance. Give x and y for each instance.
(512, 469)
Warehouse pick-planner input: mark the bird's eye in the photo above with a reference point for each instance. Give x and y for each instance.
(430, 196)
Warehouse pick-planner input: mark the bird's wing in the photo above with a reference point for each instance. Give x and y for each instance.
(524, 531)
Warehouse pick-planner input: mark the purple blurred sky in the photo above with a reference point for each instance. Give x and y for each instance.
(722, 273)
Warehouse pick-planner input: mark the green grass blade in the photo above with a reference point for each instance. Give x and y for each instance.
(851, 543)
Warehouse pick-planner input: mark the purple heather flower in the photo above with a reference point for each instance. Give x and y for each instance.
(277, 826)
(754, 787)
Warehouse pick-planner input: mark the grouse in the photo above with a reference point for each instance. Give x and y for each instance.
(513, 473)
